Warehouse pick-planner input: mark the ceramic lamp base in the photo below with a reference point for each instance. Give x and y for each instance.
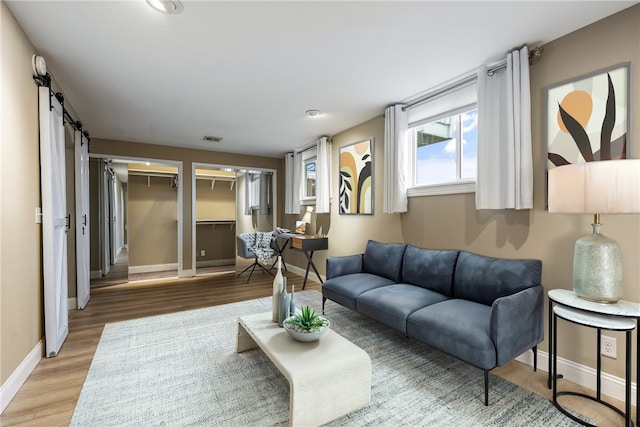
(597, 268)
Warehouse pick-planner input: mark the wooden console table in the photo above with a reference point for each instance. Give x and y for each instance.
(307, 245)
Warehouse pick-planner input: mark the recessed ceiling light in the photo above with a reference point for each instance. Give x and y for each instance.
(170, 7)
(313, 113)
(212, 138)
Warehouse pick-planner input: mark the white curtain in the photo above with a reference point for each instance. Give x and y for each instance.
(505, 171)
(288, 183)
(323, 175)
(293, 171)
(396, 160)
(257, 195)
(264, 204)
(251, 193)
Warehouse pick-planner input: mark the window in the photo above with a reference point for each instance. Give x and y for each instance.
(310, 178)
(443, 129)
(309, 158)
(446, 149)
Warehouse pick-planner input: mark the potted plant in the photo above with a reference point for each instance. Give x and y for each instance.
(307, 325)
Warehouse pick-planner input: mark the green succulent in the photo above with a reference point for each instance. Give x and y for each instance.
(307, 320)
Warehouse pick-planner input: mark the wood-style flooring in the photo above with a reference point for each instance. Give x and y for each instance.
(49, 395)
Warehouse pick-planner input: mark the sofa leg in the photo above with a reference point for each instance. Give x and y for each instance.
(323, 301)
(486, 387)
(535, 358)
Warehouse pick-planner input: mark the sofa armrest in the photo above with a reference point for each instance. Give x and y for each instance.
(342, 265)
(517, 323)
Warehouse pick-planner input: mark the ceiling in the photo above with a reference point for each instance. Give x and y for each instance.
(248, 71)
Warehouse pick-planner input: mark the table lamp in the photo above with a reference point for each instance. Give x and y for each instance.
(599, 187)
(306, 218)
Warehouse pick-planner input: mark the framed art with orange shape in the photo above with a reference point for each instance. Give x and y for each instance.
(355, 183)
(587, 117)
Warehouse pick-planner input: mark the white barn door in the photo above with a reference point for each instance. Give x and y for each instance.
(54, 221)
(81, 148)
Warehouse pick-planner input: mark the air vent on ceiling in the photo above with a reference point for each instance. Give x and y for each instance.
(212, 138)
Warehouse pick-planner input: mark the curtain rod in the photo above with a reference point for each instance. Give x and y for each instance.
(534, 56)
(459, 83)
(310, 145)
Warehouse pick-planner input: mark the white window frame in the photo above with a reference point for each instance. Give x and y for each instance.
(308, 156)
(460, 185)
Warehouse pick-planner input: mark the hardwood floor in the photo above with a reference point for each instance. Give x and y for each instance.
(49, 395)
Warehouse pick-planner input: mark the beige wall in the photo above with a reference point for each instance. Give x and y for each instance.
(348, 234)
(453, 222)
(218, 243)
(218, 202)
(109, 148)
(20, 245)
(153, 221)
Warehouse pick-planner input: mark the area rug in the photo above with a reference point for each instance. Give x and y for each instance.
(181, 369)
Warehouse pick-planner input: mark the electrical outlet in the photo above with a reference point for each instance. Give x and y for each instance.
(608, 347)
(201, 252)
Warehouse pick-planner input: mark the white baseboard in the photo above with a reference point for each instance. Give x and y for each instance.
(11, 387)
(582, 375)
(215, 262)
(152, 268)
(72, 303)
(95, 274)
(301, 271)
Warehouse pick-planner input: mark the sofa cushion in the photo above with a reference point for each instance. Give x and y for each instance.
(342, 265)
(383, 259)
(457, 327)
(484, 279)
(429, 268)
(392, 304)
(345, 289)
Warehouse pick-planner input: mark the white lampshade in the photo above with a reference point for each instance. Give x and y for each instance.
(609, 187)
(307, 215)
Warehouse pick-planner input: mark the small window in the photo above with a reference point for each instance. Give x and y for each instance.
(446, 149)
(309, 178)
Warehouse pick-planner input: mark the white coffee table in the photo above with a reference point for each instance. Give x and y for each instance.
(328, 378)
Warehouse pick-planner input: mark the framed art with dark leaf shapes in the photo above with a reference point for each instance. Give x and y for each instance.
(355, 186)
(587, 117)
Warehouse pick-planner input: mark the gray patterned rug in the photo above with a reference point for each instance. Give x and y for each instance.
(182, 369)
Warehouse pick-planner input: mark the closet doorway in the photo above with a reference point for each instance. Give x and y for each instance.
(109, 258)
(215, 212)
(137, 235)
(228, 200)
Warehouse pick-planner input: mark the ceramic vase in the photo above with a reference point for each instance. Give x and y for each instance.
(278, 281)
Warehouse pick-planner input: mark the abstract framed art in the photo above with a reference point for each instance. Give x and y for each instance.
(587, 117)
(356, 178)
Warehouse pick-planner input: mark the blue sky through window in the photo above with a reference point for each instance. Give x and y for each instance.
(436, 163)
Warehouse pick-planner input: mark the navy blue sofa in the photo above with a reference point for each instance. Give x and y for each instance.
(485, 311)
